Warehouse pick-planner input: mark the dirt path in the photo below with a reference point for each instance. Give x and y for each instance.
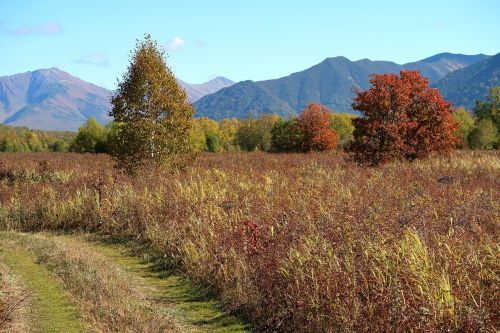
(113, 289)
(48, 308)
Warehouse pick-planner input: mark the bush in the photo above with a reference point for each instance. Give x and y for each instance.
(256, 133)
(342, 124)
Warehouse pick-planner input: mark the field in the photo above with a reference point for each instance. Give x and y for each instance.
(284, 242)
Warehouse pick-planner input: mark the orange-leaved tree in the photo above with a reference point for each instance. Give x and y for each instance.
(403, 119)
(314, 123)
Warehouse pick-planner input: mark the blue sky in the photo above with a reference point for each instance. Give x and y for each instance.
(237, 39)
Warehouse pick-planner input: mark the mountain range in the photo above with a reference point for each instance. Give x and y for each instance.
(331, 83)
(52, 99)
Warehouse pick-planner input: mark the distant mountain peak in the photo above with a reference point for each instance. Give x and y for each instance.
(335, 59)
(199, 90)
(330, 83)
(51, 99)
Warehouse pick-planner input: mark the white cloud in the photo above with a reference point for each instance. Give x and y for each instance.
(46, 28)
(175, 44)
(94, 59)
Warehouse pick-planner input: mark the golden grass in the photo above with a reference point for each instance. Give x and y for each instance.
(306, 243)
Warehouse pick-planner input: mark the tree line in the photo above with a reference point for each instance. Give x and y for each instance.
(401, 117)
(270, 133)
(22, 139)
(478, 129)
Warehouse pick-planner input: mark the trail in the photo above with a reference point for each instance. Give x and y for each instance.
(49, 307)
(168, 290)
(148, 297)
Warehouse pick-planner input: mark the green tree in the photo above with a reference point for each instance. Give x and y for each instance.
(286, 136)
(490, 109)
(213, 142)
(91, 138)
(203, 128)
(228, 129)
(59, 145)
(247, 135)
(153, 110)
(197, 137)
(256, 133)
(466, 123)
(342, 124)
(34, 142)
(484, 135)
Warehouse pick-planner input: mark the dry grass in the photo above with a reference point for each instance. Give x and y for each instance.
(13, 300)
(305, 243)
(103, 292)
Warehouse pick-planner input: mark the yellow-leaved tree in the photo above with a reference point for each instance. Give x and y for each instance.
(152, 112)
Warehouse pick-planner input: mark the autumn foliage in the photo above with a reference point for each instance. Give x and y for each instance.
(403, 119)
(311, 131)
(314, 122)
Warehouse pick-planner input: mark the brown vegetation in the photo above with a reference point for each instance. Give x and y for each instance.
(13, 299)
(305, 243)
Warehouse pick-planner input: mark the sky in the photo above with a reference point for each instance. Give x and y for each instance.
(237, 39)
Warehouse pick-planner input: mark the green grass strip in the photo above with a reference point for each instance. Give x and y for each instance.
(173, 290)
(50, 308)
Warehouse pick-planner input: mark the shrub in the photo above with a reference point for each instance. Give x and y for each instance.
(466, 123)
(213, 142)
(91, 138)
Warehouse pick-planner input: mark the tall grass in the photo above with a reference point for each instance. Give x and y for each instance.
(296, 243)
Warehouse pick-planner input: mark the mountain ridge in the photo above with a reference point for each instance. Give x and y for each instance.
(463, 87)
(329, 82)
(55, 100)
(52, 99)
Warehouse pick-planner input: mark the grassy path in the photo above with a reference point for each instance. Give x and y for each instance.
(50, 309)
(114, 289)
(170, 291)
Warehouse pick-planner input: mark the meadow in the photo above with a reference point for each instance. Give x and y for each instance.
(293, 242)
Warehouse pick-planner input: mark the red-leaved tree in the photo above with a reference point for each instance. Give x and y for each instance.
(403, 119)
(314, 123)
